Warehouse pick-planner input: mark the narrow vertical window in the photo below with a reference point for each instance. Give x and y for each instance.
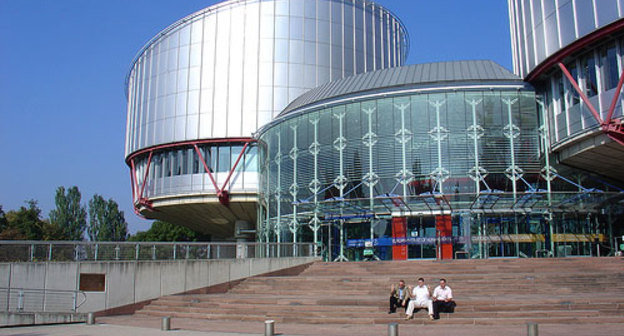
(588, 65)
(608, 67)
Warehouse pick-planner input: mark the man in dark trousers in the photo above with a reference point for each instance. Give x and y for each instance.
(442, 299)
(398, 297)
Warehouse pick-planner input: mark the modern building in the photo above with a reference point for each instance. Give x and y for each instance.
(200, 88)
(571, 52)
(424, 161)
(297, 121)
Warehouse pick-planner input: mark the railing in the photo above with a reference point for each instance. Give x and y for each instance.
(40, 300)
(33, 251)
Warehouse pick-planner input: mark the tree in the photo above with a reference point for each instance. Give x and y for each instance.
(106, 222)
(163, 231)
(3, 220)
(25, 223)
(69, 214)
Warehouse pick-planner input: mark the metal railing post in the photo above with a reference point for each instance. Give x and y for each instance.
(208, 251)
(532, 329)
(188, 249)
(166, 323)
(50, 253)
(76, 253)
(269, 328)
(91, 319)
(175, 248)
(74, 301)
(153, 252)
(218, 251)
(20, 300)
(393, 329)
(95, 254)
(136, 252)
(116, 252)
(32, 252)
(8, 299)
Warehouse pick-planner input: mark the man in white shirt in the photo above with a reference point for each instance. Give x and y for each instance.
(399, 297)
(442, 299)
(421, 298)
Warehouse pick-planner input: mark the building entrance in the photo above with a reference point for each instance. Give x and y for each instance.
(422, 232)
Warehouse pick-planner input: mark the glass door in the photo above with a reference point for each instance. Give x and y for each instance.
(421, 237)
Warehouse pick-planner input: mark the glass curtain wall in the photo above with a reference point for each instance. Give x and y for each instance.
(338, 175)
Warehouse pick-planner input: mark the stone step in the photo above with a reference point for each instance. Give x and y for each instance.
(495, 291)
(383, 307)
(309, 311)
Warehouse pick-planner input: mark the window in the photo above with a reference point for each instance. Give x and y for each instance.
(167, 163)
(175, 163)
(588, 67)
(197, 167)
(573, 96)
(236, 150)
(560, 93)
(224, 159)
(251, 160)
(608, 67)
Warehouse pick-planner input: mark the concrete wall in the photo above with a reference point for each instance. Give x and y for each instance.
(129, 282)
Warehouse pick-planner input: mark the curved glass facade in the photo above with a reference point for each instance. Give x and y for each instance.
(180, 170)
(342, 174)
(228, 69)
(597, 72)
(540, 28)
(585, 37)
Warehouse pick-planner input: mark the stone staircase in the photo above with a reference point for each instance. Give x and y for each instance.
(488, 292)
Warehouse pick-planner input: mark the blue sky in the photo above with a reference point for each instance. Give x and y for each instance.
(63, 65)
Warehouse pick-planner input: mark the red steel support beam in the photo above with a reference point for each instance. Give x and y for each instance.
(222, 193)
(206, 168)
(132, 183)
(149, 162)
(616, 96)
(240, 155)
(612, 128)
(581, 93)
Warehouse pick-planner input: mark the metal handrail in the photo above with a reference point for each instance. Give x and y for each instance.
(35, 251)
(40, 300)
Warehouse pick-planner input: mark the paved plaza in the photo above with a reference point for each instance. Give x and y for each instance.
(133, 326)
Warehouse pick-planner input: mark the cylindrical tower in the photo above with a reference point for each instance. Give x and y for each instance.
(571, 51)
(200, 88)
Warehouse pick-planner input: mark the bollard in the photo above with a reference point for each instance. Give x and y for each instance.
(393, 329)
(269, 328)
(91, 318)
(532, 329)
(166, 323)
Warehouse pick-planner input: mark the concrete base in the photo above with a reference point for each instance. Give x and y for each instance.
(21, 319)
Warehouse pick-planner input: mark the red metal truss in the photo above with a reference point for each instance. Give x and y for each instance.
(138, 197)
(612, 128)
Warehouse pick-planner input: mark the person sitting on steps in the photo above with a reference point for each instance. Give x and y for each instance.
(442, 299)
(398, 297)
(420, 298)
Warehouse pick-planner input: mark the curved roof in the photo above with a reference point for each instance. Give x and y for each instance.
(410, 76)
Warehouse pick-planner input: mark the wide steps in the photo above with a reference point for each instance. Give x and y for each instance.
(573, 290)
